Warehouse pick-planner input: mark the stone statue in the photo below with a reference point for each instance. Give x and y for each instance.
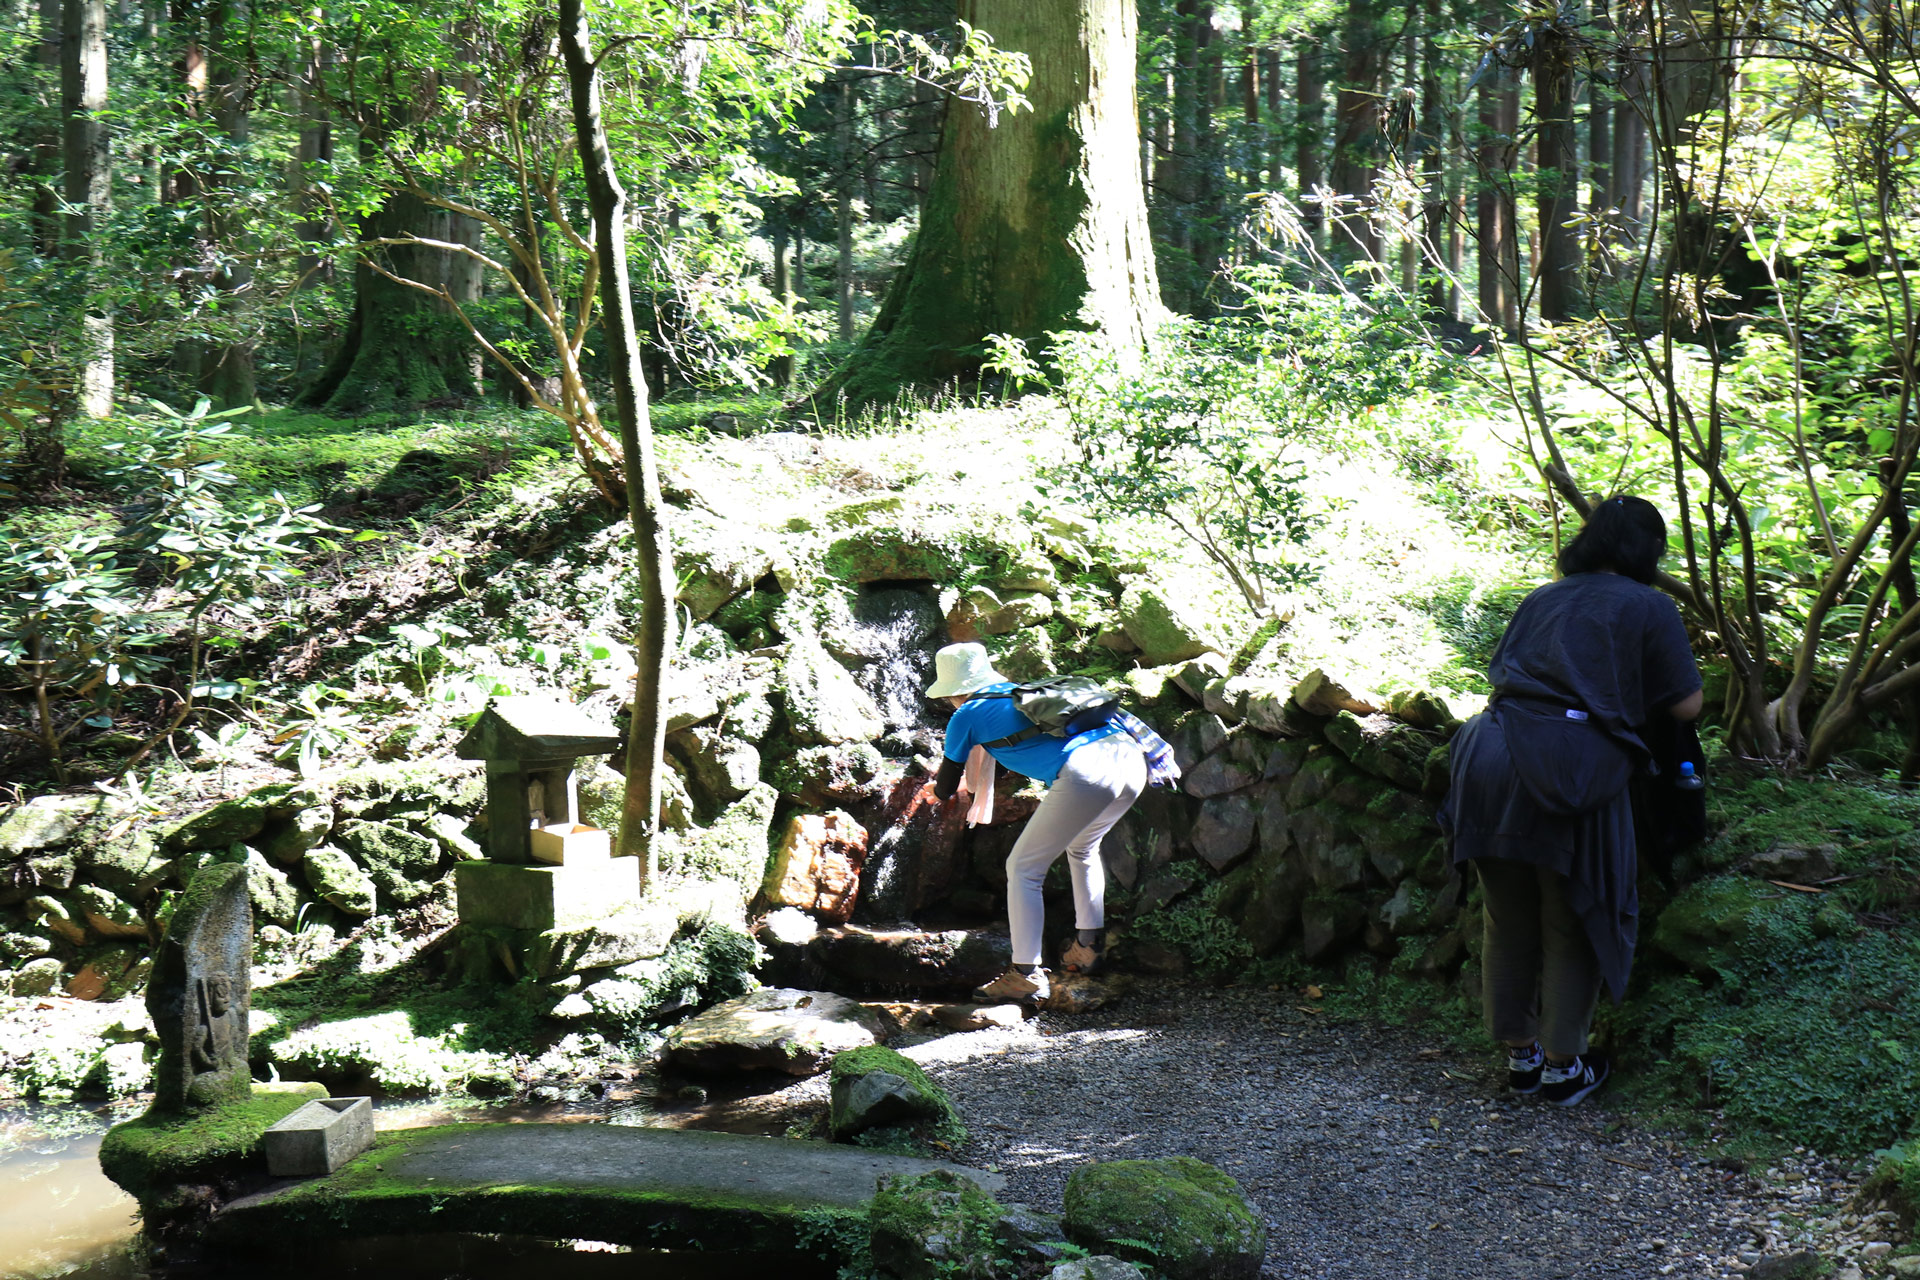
(199, 992)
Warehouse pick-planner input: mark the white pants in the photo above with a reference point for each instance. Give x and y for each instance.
(1098, 783)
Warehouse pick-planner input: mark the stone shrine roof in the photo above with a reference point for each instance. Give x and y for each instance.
(535, 727)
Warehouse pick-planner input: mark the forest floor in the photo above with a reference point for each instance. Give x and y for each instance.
(1375, 1150)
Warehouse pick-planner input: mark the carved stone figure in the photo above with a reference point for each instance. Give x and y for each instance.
(199, 993)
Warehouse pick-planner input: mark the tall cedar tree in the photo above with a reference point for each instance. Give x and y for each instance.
(1029, 219)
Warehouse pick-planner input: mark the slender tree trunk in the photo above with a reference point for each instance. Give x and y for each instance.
(1600, 123)
(1557, 176)
(1433, 173)
(1275, 142)
(315, 151)
(1029, 222)
(1493, 211)
(89, 190)
(1356, 139)
(47, 143)
(646, 738)
(1628, 168)
(843, 278)
(1181, 187)
(1309, 131)
(782, 366)
(1210, 54)
(227, 372)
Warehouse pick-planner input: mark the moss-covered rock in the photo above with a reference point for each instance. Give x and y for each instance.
(1185, 1218)
(241, 818)
(160, 1159)
(1164, 630)
(733, 848)
(1708, 917)
(286, 840)
(338, 881)
(107, 915)
(875, 1088)
(47, 822)
(401, 862)
(824, 704)
(380, 1051)
(934, 1225)
(774, 1029)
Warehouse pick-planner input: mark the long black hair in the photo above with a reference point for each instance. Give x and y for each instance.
(1624, 534)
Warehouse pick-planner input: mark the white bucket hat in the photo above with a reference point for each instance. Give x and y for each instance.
(960, 669)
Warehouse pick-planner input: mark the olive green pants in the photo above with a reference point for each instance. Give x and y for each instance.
(1540, 980)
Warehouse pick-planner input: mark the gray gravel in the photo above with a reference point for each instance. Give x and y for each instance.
(1372, 1152)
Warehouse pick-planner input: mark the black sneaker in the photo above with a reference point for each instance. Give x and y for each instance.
(1568, 1085)
(1523, 1069)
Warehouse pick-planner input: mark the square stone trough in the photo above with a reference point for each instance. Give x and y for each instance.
(319, 1137)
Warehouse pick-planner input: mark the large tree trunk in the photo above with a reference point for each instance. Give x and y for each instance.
(1179, 186)
(1493, 210)
(1309, 130)
(1557, 176)
(1600, 124)
(315, 150)
(1356, 140)
(1031, 220)
(1208, 209)
(402, 349)
(646, 738)
(1433, 139)
(46, 143)
(89, 191)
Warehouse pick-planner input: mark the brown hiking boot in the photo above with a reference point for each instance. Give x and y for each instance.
(1079, 957)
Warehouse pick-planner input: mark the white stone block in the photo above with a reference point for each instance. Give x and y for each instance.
(319, 1137)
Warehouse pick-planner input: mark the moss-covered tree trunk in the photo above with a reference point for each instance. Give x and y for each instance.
(1028, 220)
(402, 348)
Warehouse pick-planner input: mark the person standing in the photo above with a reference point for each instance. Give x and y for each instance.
(1094, 767)
(1539, 801)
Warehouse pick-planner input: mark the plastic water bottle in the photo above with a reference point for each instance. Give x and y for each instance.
(1688, 779)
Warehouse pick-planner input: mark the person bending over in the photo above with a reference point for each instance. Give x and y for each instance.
(1093, 776)
(1539, 801)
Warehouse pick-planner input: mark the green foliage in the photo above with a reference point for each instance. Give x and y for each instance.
(1196, 926)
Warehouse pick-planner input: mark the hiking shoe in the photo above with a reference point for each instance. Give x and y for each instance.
(1523, 1069)
(1079, 957)
(1015, 985)
(1568, 1085)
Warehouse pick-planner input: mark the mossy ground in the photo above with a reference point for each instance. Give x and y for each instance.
(155, 1157)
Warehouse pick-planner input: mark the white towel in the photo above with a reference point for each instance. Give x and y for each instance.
(978, 780)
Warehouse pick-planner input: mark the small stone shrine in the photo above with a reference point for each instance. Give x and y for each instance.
(545, 868)
(199, 993)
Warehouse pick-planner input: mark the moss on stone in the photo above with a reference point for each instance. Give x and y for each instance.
(934, 1224)
(1185, 1218)
(942, 1123)
(1705, 920)
(157, 1157)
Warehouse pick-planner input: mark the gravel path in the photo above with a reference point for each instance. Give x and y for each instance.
(1372, 1154)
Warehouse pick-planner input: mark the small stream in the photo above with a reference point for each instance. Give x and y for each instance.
(61, 1217)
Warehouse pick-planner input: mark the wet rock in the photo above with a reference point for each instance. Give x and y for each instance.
(1326, 922)
(338, 881)
(1185, 1218)
(825, 706)
(401, 862)
(915, 852)
(783, 936)
(773, 1029)
(1083, 993)
(817, 866)
(978, 1017)
(875, 1087)
(720, 767)
(1224, 832)
(1164, 631)
(287, 840)
(955, 959)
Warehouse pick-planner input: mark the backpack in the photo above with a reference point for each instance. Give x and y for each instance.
(1060, 706)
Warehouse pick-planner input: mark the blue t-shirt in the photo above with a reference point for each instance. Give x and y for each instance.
(982, 720)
